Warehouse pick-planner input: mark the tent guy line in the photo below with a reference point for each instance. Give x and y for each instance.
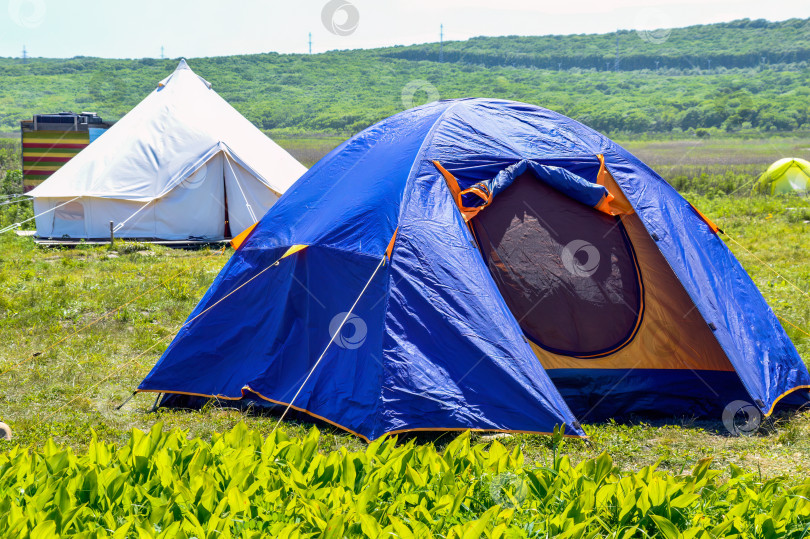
(111, 312)
(334, 336)
(160, 340)
(21, 223)
(164, 159)
(6, 203)
(120, 225)
(783, 319)
(763, 263)
(109, 376)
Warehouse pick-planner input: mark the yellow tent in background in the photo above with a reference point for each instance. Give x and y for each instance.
(788, 175)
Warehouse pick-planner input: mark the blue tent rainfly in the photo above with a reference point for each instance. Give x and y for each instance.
(483, 264)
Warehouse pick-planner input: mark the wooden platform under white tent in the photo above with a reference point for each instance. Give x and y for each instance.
(72, 242)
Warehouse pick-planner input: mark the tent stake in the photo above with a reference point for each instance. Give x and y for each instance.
(155, 404)
(126, 401)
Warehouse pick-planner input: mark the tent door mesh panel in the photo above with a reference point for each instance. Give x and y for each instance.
(567, 272)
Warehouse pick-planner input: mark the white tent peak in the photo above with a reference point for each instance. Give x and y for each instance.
(183, 70)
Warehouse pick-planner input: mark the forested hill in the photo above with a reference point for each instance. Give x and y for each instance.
(737, 44)
(345, 91)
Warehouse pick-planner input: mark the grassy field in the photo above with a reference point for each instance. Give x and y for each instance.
(681, 162)
(308, 150)
(81, 327)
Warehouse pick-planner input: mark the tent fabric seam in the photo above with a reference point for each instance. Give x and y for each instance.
(417, 162)
(714, 237)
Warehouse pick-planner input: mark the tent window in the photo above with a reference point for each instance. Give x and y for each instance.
(567, 272)
(72, 211)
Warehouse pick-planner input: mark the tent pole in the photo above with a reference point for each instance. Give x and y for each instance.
(126, 401)
(236, 180)
(112, 234)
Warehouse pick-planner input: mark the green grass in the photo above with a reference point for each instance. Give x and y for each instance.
(61, 385)
(308, 150)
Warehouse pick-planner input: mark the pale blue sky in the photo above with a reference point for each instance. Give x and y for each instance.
(191, 28)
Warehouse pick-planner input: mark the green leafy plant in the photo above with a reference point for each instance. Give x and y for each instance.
(162, 484)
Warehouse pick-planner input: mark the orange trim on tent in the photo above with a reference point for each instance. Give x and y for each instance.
(243, 396)
(390, 249)
(708, 221)
(611, 204)
(604, 204)
(221, 397)
(782, 396)
(452, 183)
(316, 416)
(292, 250)
(615, 203)
(481, 192)
(240, 239)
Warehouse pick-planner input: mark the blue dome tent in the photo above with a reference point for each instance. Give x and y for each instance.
(482, 264)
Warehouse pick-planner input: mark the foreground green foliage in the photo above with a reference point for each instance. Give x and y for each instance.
(160, 484)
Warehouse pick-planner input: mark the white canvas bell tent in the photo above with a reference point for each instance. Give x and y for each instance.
(177, 167)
